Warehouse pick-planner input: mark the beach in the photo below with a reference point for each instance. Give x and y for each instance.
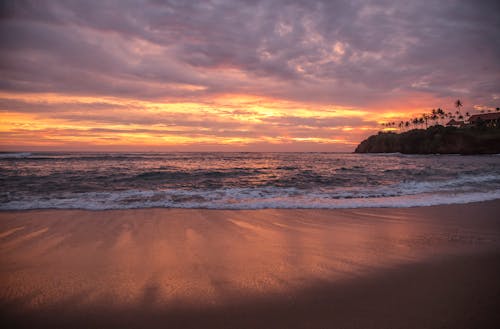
(249, 164)
(419, 267)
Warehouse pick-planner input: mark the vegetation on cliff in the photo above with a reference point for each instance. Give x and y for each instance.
(435, 139)
(472, 134)
(436, 117)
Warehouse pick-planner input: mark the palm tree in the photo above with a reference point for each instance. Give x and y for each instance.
(434, 116)
(440, 113)
(458, 104)
(415, 122)
(426, 118)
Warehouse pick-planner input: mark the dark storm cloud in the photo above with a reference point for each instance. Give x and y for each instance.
(344, 52)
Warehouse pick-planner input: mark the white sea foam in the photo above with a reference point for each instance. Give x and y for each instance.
(465, 181)
(242, 181)
(238, 199)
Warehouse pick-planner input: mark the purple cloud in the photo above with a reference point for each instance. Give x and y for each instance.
(350, 53)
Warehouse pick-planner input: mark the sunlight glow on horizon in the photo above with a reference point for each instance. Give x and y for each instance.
(237, 120)
(228, 121)
(235, 75)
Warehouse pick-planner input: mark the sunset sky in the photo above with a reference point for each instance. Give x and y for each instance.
(228, 75)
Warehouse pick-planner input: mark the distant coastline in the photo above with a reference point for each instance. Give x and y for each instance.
(435, 140)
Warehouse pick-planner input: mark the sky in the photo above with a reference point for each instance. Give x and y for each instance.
(228, 75)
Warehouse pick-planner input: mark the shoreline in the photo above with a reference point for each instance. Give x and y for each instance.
(437, 266)
(6, 211)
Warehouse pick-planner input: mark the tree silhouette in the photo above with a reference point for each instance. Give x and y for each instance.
(458, 105)
(440, 113)
(426, 118)
(434, 116)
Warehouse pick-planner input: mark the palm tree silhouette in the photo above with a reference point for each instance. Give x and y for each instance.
(434, 116)
(458, 105)
(440, 113)
(426, 118)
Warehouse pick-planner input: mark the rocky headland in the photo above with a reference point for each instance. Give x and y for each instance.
(435, 140)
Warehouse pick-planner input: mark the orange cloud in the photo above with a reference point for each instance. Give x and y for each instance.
(58, 120)
(224, 122)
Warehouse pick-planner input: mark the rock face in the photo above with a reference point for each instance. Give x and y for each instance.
(435, 139)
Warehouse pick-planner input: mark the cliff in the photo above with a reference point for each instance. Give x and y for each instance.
(435, 139)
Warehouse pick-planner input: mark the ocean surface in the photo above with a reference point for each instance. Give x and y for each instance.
(243, 180)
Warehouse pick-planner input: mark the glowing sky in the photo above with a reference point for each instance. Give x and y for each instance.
(236, 75)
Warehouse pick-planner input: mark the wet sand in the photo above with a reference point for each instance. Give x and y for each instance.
(426, 267)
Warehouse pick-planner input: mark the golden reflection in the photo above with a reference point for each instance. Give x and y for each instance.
(198, 255)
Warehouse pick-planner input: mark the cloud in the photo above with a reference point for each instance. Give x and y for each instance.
(317, 122)
(335, 50)
(377, 56)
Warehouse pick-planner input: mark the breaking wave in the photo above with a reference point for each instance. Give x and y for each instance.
(243, 181)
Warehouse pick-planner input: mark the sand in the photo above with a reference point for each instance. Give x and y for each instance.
(424, 267)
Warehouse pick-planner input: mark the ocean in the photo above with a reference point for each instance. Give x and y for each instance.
(243, 180)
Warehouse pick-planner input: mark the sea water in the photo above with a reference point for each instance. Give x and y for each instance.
(243, 180)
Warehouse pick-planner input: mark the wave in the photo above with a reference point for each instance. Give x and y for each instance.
(15, 155)
(464, 181)
(66, 157)
(239, 181)
(86, 156)
(246, 198)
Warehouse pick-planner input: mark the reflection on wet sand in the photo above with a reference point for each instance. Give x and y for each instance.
(162, 257)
